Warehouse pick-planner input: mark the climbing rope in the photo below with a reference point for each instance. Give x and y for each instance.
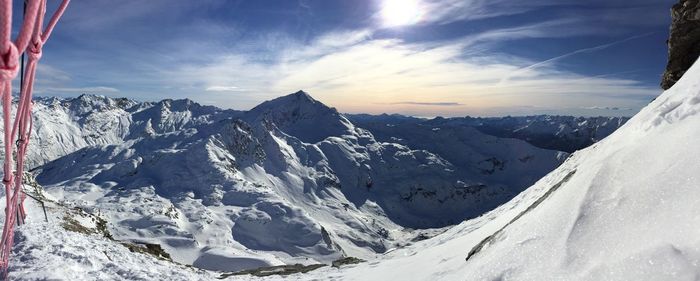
(31, 38)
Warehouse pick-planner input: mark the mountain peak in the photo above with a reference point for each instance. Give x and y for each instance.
(300, 101)
(299, 97)
(91, 98)
(302, 95)
(302, 116)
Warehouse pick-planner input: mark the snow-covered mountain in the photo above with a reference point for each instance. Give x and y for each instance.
(623, 209)
(290, 181)
(562, 133)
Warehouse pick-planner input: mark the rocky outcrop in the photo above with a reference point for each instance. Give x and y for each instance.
(684, 42)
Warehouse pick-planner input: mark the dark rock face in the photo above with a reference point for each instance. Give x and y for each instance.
(684, 43)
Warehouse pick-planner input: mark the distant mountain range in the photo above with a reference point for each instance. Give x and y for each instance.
(563, 133)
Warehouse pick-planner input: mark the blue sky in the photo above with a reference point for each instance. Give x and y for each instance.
(444, 57)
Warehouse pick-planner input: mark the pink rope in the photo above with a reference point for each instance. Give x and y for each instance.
(31, 39)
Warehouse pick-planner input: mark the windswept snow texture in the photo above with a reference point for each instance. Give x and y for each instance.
(625, 209)
(47, 251)
(291, 181)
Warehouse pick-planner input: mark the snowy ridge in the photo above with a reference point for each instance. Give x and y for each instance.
(67, 126)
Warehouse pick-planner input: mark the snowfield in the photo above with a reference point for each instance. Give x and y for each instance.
(223, 189)
(47, 251)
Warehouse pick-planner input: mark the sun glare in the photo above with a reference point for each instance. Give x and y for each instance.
(400, 12)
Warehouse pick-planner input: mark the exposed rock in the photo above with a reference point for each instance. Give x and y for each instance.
(684, 42)
(347, 261)
(275, 270)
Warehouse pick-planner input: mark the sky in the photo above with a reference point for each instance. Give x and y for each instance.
(413, 57)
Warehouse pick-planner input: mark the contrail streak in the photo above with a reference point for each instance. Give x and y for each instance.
(577, 52)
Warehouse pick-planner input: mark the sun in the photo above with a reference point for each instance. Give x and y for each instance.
(401, 12)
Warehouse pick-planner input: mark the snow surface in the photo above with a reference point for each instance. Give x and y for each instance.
(47, 251)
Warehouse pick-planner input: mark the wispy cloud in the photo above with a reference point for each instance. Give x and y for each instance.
(574, 53)
(614, 108)
(385, 70)
(427, 103)
(95, 90)
(82, 17)
(223, 89)
(49, 73)
(605, 12)
(446, 11)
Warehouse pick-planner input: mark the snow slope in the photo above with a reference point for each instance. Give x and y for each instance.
(511, 162)
(47, 251)
(291, 181)
(66, 126)
(624, 209)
